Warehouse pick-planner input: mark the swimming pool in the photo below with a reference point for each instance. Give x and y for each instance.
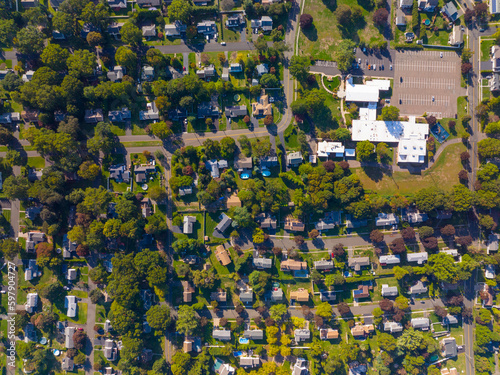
(245, 176)
(243, 340)
(238, 354)
(266, 172)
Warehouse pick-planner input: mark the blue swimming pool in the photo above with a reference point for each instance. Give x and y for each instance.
(243, 340)
(266, 172)
(238, 354)
(245, 176)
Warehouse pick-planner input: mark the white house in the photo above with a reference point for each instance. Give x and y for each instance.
(325, 149)
(419, 258)
(389, 259)
(71, 306)
(389, 291)
(31, 302)
(386, 219)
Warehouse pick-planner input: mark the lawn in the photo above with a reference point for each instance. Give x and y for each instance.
(443, 174)
(320, 40)
(291, 141)
(197, 227)
(331, 84)
(5, 64)
(118, 129)
(486, 48)
(36, 162)
(226, 34)
(142, 144)
(82, 314)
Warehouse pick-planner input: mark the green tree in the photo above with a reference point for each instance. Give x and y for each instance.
(8, 31)
(443, 267)
(258, 236)
(187, 322)
(157, 193)
(29, 40)
(131, 34)
(89, 170)
(462, 198)
(125, 57)
(97, 15)
(9, 248)
(410, 340)
(241, 216)
(227, 147)
(299, 67)
(16, 187)
(161, 130)
(82, 63)
(11, 82)
(334, 279)
(364, 150)
(344, 54)
(179, 10)
(390, 113)
(489, 148)
(278, 312)
(158, 318)
(386, 342)
(54, 56)
(324, 310)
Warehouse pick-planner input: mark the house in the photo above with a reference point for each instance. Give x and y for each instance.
(262, 263)
(31, 302)
(116, 74)
(400, 18)
(494, 82)
(414, 216)
(327, 296)
(221, 334)
(214, 165)
(300, 295)
(71, 305)
(389, 291)
(235, 20)
(393, 327)
(302, 334)
(177, 114)
(357, 263)
(492, 243)
(323, 265)
(266, 221)
(450, 319)
(206, 28)
(29, 333)
(419, 258)
(276, 294)
(28, 76)
(68, 337)
(450, 11)
(225, 74)
(262, 107)
(151, 113)
(233, 201)
(148, 73)
(300, 367)
(224, 369)
(219, 296)
(117, 5)
(351, 223)
(249, 362)
(72, 274)
(457, 36)
(326, 149)
(149, 31)
(9, 118)
(386, 219)
(187, 346)
(494, 6)
(246, 296)
(121, 115)
(224, 224)
(254, 334)
(418, 288)
(489, 271)
(420, 323)
(427, 5)
(88, 28)
(34, 238)
(328, 334)
(235, 68)
(119, 173)
(243, 164)
(361, 331)
(389, 259)
(175, 29)
(188, 224)
(262, 69)
(93, 116)
(495, 58)
(32, 270)
(235, 111)
(363, 291)
(222, 255)
(269, 162)
(187, 295)
(34, 175)
(30, 115)
(67, 364)
(293, 265)
(294, 159)
(110, 350)
(206, 72)
(207, 110)
(32, 212)
(148, 3)
(449, 347)
(114, 29)
(265, 24)
(323, 225)
(29, 3)
(487, 296)
(405, 4)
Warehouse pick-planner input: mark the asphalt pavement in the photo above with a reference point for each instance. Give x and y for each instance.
(208, 47)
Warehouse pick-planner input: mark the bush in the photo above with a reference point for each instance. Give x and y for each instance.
(306, 21)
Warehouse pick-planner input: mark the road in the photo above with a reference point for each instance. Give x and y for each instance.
(469, 325)
(208, 47)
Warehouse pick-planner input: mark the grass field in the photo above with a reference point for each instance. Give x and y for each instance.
(36, 162)
(443, 174)
(485, 49)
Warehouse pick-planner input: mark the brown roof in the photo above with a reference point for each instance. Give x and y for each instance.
(187, 346)
(233, 201)
(262, 107)
(292, 265)
(364, 292)
(360, 330)
(329, 334)
(300, 295)
(294, 225)
(222, 255)
(218, 296)
(188, 291)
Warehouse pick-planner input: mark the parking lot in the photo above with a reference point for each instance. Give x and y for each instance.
(425, 82)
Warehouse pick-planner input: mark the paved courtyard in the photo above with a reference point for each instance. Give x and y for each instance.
(424, 82)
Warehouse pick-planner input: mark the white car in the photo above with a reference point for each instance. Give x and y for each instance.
(359, 61)
(222, 43)
(440, 54)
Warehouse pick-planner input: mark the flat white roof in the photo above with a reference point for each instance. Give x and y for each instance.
(361, 93)
(326, 148)
(381, 84)
(412, 150)
(368, 114)
(387, 131)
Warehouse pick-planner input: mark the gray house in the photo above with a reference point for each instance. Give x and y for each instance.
(327, 296)
(418, 288)
(221, 334)
(357, 263)
(246, 297)
(262, 263)
(223, 224)
(294, 159)
(323, 265)
(254, 334)
(420, 323)
(302, 335)
(235, 111)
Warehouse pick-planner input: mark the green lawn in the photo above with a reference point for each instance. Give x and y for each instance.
(291, 141)
(142, 144)
(36, 162)
(82, 314)
(331, 84)
(5, 64)
(228, 35)
(118, 129)
(486, 48)
(78, 293)
(197, 227)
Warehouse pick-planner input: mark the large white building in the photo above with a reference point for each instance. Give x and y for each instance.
(410, 136)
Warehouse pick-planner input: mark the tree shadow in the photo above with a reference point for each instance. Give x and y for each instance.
(311, 33)
(366, 4)
(330, 4)
(376, 173)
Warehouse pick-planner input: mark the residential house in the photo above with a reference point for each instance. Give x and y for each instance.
(225, 74)
(262, 263)
(117, 5)
(59, 116)
(88, 28)
(450, 320)
(119, 173)
(206, 28)
(207, 109)
(235, 20)
(389, 259)
(246, 296)
(222, 255)
(31, 302)
(300, 295)
(4, 72)
(235, 68)
(71, 305)
(427, 5)
(269, 162)
(265, 24)
(224, 224)
(188, 224)
(121, 115)
(457, 36)
(249, 362)
(149, 31)
(34, 175)
(300, 367)
(328, 334)
(363, 291)
(254, 334)
(294, 159)
(418, 288)
(177, 114)
(393, 327)
(187, 346)
(201, 2)
(150, 114)
(34, 238)
(221, 334)
(31, 270)
(29, 3)
(185, 190)
(243, 164)
(302, 334)
(494, 6)
(489, 271)
(114, 29)
(68, 337)
(148, 73)
(224, 369)
(450, 11)
(72, 274)
(28, 76)
(67, 364)
(262, 69)
(325, 149)
(30, 115)
(30, 333)
(492, 243)
(206, 72)
(116, 74)
(187, 295)
(384, 219)
(233, 201)
(351, 223)
(294, 225)
(494, 82)
(266, 221)
(487, 296)
(93, 116)
(327, 296)
(449, 347)
(148, 3)
(235, 111)
(57, 35)
(276, 294)
(262, 107)
(219, 296)
(419, 258)
(414, 216)
(323, 265)
(214, 165)
(389, 291)
(175, 29)
(361, 331)
(31, 212)
(400, 18)
(9, 118)
(357, 263)
(293, 265)
(420, 323)
(405, 4)
(110, 350)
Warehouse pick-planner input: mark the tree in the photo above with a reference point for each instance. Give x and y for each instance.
(489, 148)
(16, 187)
(270, 81)
(468, 15)
(96, 296)
(89, 170)
(401, 302)
(187, 322)
(364, 150)
(448, 230)
(52, 291)
(299, 67)
(268, 120)
(390, 113)
(462, 198)
(9, 248)
(344, 54)
(383, 152)
(486, 222)
(158, 317)
(334, 279)
(212, 148)
(157, 193)
(6, 135)
(131, 34)
(408, 234)
(463, 175)
(344, 309)
(481, 11)
(179, 10)
(278, 312)
(380, 17)
(227, 5)
(8, 31)
(324, 310)
(161, 130)
(11, 82)
(397, 246)
(241, 216)
(343, 13)
(125, 57)
(306, 21)
(386, 305)
(314, 234)
(376, 236)
(425, 232)
(466, 67)
(54, 56)
(227, 147)
(82, 63)
(386, 342)
(29, 40)
(79, 339)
